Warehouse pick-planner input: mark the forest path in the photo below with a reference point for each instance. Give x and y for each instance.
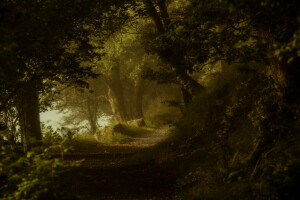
(103, 176)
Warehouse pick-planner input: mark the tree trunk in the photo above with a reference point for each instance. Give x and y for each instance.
(115, 94)
(138, 101)
(92, 106)
(152, 12)
(187, 97)
(93, 125)
(189, 85)
(116, 100)
(164, 13)
(29, 115)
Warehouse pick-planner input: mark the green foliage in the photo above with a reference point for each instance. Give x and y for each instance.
(240, 123)
(50, 137)
(161, 112)
(212, 145)
(33, 175)
(238, 139)
(50, 40)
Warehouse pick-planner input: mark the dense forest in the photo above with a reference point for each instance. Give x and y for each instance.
(160, 99)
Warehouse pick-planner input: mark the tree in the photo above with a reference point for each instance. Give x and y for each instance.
(158, 12)
(44, 43)
(121, 69)
(83, 105)
(262, 31)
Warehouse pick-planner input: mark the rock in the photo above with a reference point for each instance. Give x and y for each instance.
(112, 130)
(137, 122)
(118, 128)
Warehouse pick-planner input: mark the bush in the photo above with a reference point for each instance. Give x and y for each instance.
(33, 176)
(50, 137)
(211, 148)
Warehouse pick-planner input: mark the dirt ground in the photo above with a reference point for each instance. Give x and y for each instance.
(104, 176)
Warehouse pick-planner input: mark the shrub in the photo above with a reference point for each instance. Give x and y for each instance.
(33, 176)
(50, 137)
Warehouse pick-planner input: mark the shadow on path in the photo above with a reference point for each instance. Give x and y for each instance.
(102, 175)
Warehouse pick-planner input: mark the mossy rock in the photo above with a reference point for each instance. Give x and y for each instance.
(137, 122)
(118, 128)
(113, 130)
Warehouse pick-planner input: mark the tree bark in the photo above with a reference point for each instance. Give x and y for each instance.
(116, 100)
(152, 12)
(164, 13)
(190, 85)
(92, 106)
(187, 97)
(138, 101)
(115, 94)
(29, 115)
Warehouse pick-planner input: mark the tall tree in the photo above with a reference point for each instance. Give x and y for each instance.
(121, 69)
(261, 31)
(41, 42)
(116, 93)
(173, 56)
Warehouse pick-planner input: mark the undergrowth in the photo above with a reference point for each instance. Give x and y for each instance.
(237, 140)
(35, 175)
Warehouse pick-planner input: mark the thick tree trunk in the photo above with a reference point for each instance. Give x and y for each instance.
(29, 115)
(138, 101)
(115, 94)
(116, 100)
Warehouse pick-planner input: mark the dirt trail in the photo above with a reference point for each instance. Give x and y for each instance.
(102, 175)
